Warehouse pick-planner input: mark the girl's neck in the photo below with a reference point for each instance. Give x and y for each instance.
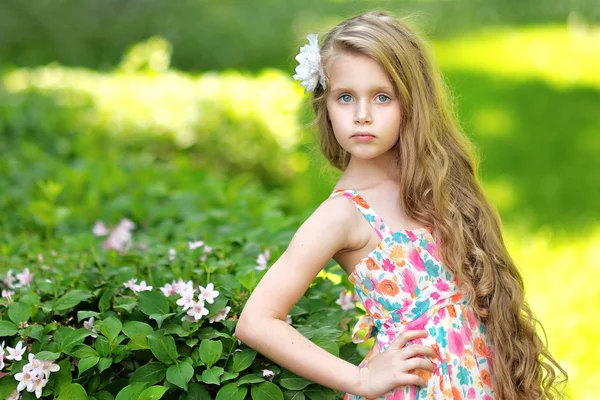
(362, 173)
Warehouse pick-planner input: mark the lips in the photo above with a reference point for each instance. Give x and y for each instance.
(363, 134)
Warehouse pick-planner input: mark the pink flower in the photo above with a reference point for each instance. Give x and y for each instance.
(208, 294)
(89, 325)
(409, 282)
(195, 245)
(142, 287)
(198, 310)
(262, 260)
(120, 237)
(7, 294)
(100, 229)
(345, 301)
(267, 373)
(387, 265)
(10, 279)
(15, 353)
(441, 285)
(221, 315)
(187, 299)
(24, 278)
(455, 343)
(415, 259)
(172, 254)
(130, 284)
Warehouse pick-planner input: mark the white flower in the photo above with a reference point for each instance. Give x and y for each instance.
(131, 284)
(2, 354)
(100, 229)
(181, 286)
(48, 366)
(187, 299)
(310, 71)
(221, 315)
(16, 353)
(142, 287)
(267, 373)
(168, 290)
(10, 279)
(172, 253)
(7, 294)
(195, 245)
(262, 260)
(24, 278)
(24, 378)
(197, 311)
(207, 249)
(89, 325)
(37, 385)
(345, 301)
(208, 294)
(120, 237)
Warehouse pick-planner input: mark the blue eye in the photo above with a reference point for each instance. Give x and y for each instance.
(345, 98)
(382, 98)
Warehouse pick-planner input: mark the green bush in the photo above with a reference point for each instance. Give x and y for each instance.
(141, 345)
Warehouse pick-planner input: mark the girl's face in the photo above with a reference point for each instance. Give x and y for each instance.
(363, 107)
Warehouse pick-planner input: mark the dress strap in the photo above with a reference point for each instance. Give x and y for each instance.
(370, 215)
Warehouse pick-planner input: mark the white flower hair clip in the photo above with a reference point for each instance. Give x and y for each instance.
(309, 71)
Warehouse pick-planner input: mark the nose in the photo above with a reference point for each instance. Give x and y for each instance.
(362, 113)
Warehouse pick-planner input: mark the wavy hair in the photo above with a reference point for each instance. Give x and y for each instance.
(439, 188)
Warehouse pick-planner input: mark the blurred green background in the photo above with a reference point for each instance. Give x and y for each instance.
(127, 108)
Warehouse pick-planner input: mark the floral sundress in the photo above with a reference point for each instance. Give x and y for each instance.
(403, 285)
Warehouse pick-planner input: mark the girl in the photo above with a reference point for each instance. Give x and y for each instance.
(425, 253)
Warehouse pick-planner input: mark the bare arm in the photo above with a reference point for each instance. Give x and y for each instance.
(262, 323)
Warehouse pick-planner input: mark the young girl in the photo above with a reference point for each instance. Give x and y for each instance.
(410, 224)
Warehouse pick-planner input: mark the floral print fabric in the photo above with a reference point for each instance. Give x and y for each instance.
(403, 286)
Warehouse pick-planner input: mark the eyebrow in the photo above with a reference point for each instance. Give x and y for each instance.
(373, 89)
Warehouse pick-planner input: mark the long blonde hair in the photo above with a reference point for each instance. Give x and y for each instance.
(439, 188)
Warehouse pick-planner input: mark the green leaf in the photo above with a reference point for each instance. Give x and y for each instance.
(229, 375)
(138, 342)
(71, 299)
(47, 355)
(86, 363)
(7, 385)
(211, 375)
(62, 377)
(110, 327)
(82, 351)
(103, 395)
(293, 395)
(153, 393)
(159, 318)
(130, 392)
(30, 298)
(73, 391)
(35, 331)
(210, 351)
(150, 374)
(315, 392)
(195, 392)
(180, 374)
(132, 328)
(8, 329)
(103, 346)
(72, 339)
(104, 363)
(250, 378)
(293, 382)
(151, 303)
(19, 312)
(266, 391)
(86, 314)
(104, 303)
(232, 392)
(243, 359)
(163, 347)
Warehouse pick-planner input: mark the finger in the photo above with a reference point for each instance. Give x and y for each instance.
(418, 363)
(406, 336)
(411, 379)
(417, 349)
